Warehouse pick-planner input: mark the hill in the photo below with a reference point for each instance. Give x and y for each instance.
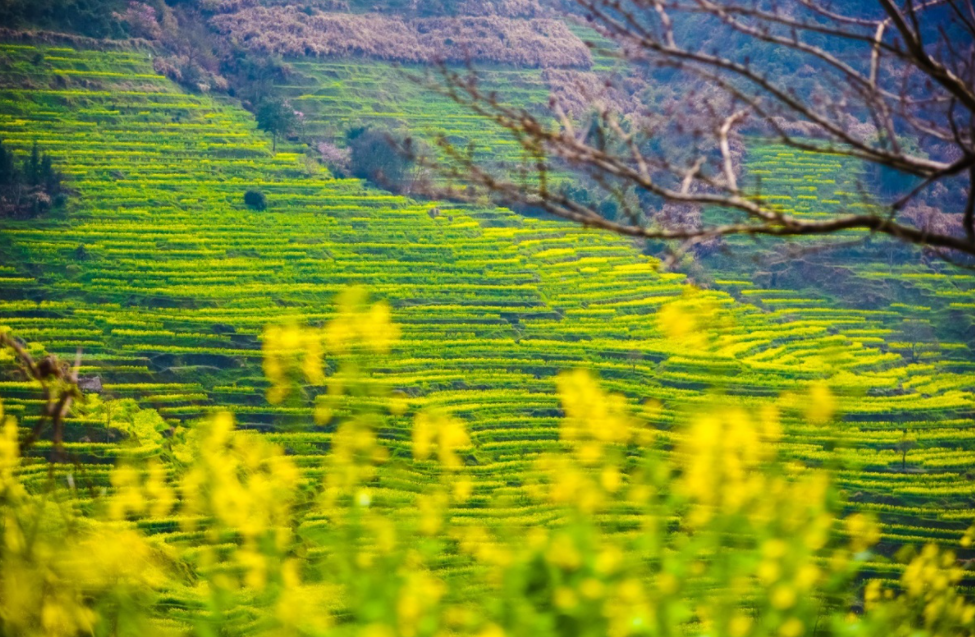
(164, 280)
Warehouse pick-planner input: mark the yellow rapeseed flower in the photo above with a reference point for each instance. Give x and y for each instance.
(822, 404)
(792, 627)
(445, 434)
(863, 531)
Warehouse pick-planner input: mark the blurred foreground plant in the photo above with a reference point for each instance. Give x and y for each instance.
(635, 528)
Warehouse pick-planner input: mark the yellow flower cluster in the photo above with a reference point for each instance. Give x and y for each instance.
(818, 405)
(691, 320)
(931, 580)
(436, 433)
(790, 523)
(698, 529)
(10, 487)
(353, 462)
(133, 496)
(863, 531)
(419, 595)
(241, 484)
(57, 569)
(723, 454)
(478, 542)
(595, 429)
(822, 404)
(593, 419)
(929, 602)
(294, 354)
(442, 434)
(359, 324)
(300, 608)
(290, 353)
(631, 609)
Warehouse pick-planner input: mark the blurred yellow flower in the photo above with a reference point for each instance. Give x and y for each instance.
(822, 404)
(446, 435)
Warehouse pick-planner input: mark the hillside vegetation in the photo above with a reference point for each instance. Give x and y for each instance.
(315, 407)
(165, 280)
(291, 32)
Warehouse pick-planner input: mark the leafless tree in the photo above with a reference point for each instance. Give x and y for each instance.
(887, 83)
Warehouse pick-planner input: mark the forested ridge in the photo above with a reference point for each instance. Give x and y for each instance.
(276, 359)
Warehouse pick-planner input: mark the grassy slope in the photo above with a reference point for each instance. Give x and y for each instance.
(178, 278)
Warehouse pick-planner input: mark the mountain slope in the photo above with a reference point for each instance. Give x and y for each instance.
(165, 280)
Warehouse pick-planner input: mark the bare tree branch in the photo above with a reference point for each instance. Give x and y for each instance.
(891, 87)
(968, 220)
(729, 167)
(59, 385)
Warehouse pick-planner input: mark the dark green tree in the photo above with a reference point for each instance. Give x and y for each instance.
(31, 188)
(32, 168)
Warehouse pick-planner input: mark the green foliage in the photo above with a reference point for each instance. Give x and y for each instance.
(343, 96)
(277, 118)
(94, 18)
(729, 538)
(126, 420)
(255, 200)
(375, 155)
(253, 77)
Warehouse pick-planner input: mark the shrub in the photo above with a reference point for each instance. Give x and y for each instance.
(374, 156)
(255, 200)
(94, 18)
(337, 159)
(142, 21)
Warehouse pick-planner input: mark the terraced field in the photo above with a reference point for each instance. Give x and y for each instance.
(165, 280)
(919, 309)
(921, 305)
(338, 95)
